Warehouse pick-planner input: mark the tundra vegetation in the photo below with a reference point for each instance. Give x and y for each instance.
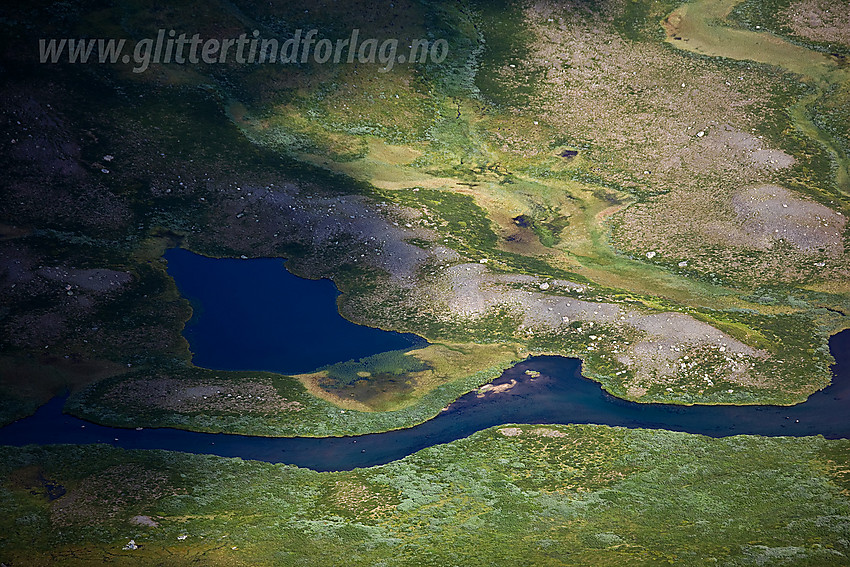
(510, 495)
(658, 189)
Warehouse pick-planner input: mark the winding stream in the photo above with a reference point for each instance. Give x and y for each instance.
(559, 395)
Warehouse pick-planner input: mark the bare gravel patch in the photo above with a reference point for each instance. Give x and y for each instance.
(362, 232)
(510, 431)
(546, 432)
(665, 347)
(820, 20)
(676, 345)
(193, 395)
(744, 147)
(768, 213)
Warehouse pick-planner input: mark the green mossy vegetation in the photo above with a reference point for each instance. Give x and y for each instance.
(513, 495)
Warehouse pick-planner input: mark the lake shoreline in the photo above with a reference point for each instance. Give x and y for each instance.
(543, 390)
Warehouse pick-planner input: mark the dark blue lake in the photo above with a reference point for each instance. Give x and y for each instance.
(558, 395)
(255, 315)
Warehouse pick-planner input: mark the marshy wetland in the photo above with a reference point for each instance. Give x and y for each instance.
(651, 192)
